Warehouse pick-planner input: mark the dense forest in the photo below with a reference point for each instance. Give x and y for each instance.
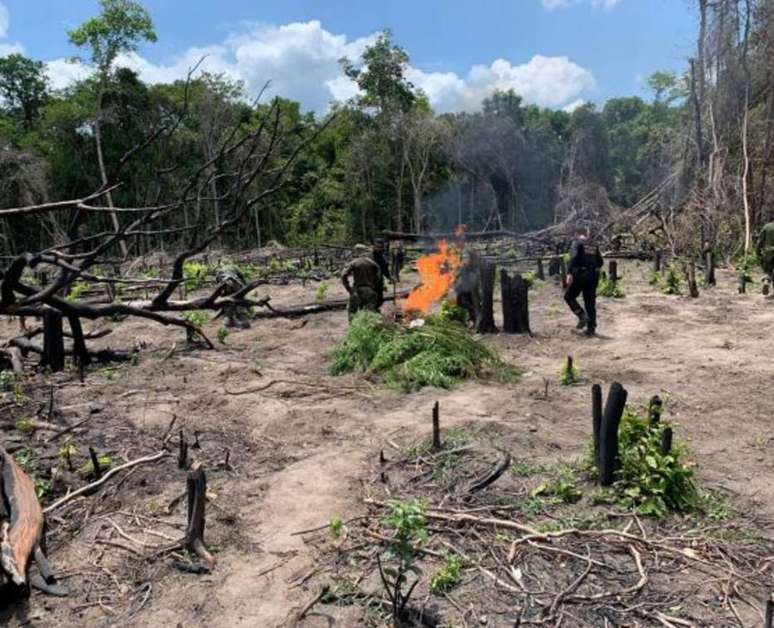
(699, 150)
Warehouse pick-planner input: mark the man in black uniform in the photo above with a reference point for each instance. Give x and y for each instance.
(582, 278)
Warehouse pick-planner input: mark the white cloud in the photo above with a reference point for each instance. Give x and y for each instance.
(301, 60)
(570, 107)
(5, 20)
(560, 4)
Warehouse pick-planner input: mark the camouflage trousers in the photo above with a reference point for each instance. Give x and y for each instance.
(237, 316)
(362, 298)
(767, 263)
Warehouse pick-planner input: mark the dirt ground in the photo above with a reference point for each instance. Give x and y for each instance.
(301, 443)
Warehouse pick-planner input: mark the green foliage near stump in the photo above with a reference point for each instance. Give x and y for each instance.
(610, 289)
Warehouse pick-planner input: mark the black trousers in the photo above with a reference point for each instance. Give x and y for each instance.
(584, 282)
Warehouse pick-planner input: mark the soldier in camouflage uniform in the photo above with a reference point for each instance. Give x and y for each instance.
(765, 249)
(233, 280)
(366, 290)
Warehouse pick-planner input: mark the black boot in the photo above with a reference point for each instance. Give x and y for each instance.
(583, 320)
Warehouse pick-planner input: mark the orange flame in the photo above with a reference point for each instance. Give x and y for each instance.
(437, 272)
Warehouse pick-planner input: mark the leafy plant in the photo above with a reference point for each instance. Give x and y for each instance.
(671, 281)
(25, 425)
(7, 381)
(67, 451)
(321, 292)
(407, 520)
(654, 278)
(105, 462)
(448, 576)
(564, 488)
(610, 289)
(336, 527)
(439, 353)
(222, 334)
(569, 374)
(197, 318)
(194, 275)
(532, 279)
(77, 289)
(649, 481)
(745, 266)
(450, 311)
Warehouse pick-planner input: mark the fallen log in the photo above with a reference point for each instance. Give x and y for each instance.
(472, 235)
(316, 308)
(21, 523)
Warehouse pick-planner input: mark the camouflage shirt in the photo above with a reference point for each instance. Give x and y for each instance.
(365, 273)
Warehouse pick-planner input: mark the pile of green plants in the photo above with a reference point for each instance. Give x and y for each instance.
(610, 289)
(438, 353)
(650, 482)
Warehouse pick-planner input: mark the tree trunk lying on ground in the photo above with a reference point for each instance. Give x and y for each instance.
(316, 308)
(21, 525)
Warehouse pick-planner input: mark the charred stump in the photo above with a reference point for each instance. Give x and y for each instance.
(53, 355)
(596, 419)
(515, 297)
(80, 352)
(436, 427)
(609, 461)
(540, 272)
(666, 441)
(554, 266)
(654, 410)
(194, 535)
(613, 271)
(693, 287)
(657, 262)
(709, 268)
(486, 324)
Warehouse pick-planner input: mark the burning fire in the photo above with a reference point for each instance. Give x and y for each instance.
(437, 272)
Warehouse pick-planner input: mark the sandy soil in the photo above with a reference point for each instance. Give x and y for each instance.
(300, 448)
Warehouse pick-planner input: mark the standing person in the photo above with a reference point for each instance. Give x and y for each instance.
(397, 259)
(765, 249)
(367, 288)
(378, 254)
(582, 278)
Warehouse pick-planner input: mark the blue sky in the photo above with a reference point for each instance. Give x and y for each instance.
(555, 52)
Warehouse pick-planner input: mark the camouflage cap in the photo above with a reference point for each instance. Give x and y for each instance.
(359, 250)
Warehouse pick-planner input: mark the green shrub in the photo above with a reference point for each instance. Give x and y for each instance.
(610, 289)
(671, 281)
(650, 482)
(222, 334)
(569, 374)
(321, 292)
(654, 278)
(77, 289)
(197, 318)
(450, 311)
(447, 576)
(194, 274)
(7, 381)
(438, 353)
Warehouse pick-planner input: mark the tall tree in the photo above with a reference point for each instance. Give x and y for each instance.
(23, 88)
(120, 28)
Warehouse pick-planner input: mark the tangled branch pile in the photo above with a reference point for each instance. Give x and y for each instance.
(439, 353)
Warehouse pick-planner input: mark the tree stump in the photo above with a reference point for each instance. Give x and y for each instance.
(194, 535)
(540, 272)
(608, 434)
(486, 324)
(666, 441)
(654, 410)
(657, 262)
(53, 355)
(515, 301)
(693, 287)
(436, 427)
(554, 266)
(596, 419)
(80, 352)
(709, 268)
(613, 271)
